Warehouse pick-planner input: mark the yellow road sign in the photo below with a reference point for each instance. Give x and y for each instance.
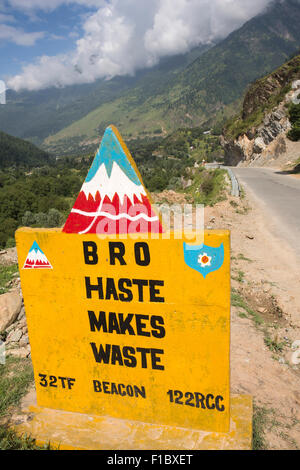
(135, 329)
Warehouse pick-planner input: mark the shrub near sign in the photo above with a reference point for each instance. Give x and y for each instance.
(134, 328)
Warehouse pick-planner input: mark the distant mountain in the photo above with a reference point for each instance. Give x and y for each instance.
(36, 115)
(18, 152)
(197, 89)
(220, 77)
(205, 92)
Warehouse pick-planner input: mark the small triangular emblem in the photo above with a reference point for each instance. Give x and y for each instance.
(36, 259)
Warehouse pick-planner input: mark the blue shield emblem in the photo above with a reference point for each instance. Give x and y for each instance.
(204, 259)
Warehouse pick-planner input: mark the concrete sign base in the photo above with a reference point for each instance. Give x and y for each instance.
(75, 431)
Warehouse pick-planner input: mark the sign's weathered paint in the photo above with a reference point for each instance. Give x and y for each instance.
(128, 329)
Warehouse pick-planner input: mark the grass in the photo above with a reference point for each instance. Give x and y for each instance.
(240, 276)
(15, 377)
(9, 440)
(292, 168)
(244, 210)
(259, 424)
(265, 420)
(238, 301)
(208, 187)
(242, 192)
(242, 257)
(274, 345)
(296, 168)
(6, 275)
(242, 315)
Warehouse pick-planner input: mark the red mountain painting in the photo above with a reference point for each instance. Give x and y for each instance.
(113, 199)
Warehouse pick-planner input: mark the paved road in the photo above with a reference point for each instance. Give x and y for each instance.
(279, 195)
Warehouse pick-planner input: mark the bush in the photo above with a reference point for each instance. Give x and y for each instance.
(294, 134)
(208, 187)
(294, 115)
(28, 219)
(294, 112)
(54, 218)
(11, 243)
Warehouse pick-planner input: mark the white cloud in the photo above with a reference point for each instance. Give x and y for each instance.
(125, 35)
(19, 36)
(6, 18)
(57, 37)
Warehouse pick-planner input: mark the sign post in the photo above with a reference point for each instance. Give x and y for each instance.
(125, 325)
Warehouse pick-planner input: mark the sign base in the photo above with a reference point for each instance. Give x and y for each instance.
(75, 431)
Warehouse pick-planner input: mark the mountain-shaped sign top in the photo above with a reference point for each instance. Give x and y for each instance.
(113, 199)
(36, 259)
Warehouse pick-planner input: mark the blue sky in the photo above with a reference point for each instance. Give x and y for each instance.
(46, 43)
(56, 31)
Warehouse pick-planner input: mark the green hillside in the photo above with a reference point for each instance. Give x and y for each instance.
(17, 152)
(36, 115)
(220, 76)
(204, 93)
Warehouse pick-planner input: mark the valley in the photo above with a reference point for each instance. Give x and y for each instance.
(233, 102)
(201, 88)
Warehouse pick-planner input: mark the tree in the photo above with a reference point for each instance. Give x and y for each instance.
(55, 218)
(28, 219)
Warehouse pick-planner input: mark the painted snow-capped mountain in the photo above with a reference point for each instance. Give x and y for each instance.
(36, 258)
(106, 185)
(112, 199)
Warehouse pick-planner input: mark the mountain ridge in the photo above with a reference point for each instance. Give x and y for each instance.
(51, 109)
(200, 89)
(18, 152)
(207, 90)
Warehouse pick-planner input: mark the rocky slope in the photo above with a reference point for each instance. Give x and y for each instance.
(258, 136)
(13, 325)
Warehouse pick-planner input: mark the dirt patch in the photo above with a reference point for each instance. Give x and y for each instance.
(170, 197)
(266, 306)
